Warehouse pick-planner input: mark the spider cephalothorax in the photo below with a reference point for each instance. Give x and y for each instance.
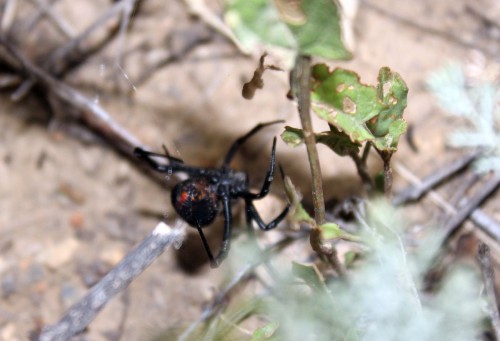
(209, 191)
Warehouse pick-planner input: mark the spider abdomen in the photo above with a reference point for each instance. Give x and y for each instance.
(195, 201)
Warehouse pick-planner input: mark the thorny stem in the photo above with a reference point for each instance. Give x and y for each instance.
(301, 82)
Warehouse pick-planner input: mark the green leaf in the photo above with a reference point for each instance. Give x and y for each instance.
(336, 140)
(296, 209)
(320, 34)
(333, 231)
(349, 258)
(258, 21)
(293, 137)
(310, 274)
(391, 92)
(362, 112)
(306, 27)
(266, 332)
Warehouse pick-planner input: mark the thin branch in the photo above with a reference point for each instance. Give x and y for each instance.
(71, 54)
(90, 112)
(191, 39)
(484, 258)
(33, 20)
(78, 317)
(61, 24)
(360, 163)
(415, 192)
(8, 13)
(386, 158)
(456, 221)
(478, 217)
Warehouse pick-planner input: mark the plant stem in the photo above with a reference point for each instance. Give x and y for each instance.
(386, 158)
(301, 83)
(361, 168)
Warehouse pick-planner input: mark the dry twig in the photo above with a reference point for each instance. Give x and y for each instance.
(415, 192)
(457, 220)
(78, 317)
(484, 258)
(478, 217)
(90, 112)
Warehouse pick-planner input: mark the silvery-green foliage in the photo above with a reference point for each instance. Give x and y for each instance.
(478, 105)
(381, 298)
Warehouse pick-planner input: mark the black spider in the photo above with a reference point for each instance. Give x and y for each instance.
(200, 198)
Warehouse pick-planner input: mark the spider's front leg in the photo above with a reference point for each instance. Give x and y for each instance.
(267, 182)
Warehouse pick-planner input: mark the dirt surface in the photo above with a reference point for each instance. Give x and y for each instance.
(71, 206)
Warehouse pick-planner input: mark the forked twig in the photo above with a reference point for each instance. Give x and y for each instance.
(62, 25)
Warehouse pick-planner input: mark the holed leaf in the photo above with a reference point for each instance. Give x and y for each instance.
(362, 112)
(334, 139)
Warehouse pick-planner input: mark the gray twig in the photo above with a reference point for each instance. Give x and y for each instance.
(58, 61)
(78, 317)
(90, 112)
(414, 193)
(61, 24)
(478, 217)
(456, 221)
(484, 258)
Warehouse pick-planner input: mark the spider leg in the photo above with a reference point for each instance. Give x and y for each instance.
(237, 144)
(207, 247)
(175, 164)
(252, 212)
(267, 182)
(224, 249)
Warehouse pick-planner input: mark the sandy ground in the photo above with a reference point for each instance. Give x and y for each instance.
(71, 206)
